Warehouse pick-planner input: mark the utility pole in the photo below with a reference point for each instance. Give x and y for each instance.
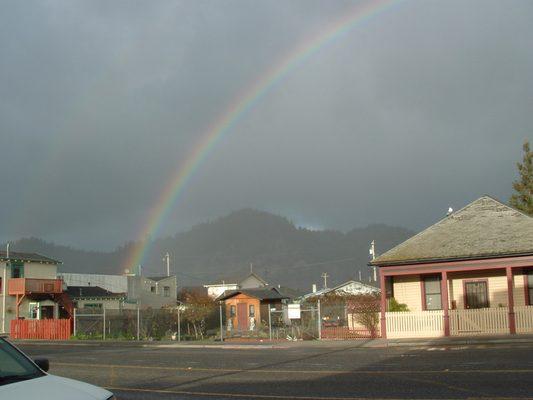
(372, 252)
(167, 259)
(325, 276)
(4, 290)
(221, 324)
(359, 275)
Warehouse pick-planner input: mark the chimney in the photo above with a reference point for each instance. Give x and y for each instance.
(314, 287)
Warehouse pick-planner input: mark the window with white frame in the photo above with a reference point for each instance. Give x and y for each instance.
(432, 292)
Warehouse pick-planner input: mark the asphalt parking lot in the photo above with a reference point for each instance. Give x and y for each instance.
(340, 370)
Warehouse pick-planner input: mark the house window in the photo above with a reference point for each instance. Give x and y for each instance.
(432, 294)
(389, 287)
(152, 289)
(232, 311)
(476, 294)
(17, 271)
(34, 311)
(166, 291)
(530, 287)
(94, 306)
(251, 309)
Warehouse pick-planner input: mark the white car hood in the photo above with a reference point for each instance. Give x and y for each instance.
(50, 387)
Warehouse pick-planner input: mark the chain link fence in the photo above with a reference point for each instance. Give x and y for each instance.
(183, 323)
(318, 320)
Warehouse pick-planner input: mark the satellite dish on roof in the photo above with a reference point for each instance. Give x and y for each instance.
(450, 210)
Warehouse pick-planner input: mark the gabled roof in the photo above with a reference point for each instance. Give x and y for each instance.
(159, 278)
(255, 276)
(289, 292)
(27, 257)
(485, 228)
(78, 292)
(237, 280)
(261, 294)
(344, 287)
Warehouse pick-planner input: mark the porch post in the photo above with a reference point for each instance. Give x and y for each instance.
(383, 304)
(445, 302)
(510, 300)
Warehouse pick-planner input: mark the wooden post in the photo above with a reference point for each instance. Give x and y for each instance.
(221, 323)
(74, 323)
(510, 300)
(445, 303)
(383, 304)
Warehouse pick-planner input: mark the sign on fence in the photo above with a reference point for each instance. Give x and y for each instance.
(294, 311)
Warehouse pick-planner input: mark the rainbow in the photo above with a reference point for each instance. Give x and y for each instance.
(243, 103)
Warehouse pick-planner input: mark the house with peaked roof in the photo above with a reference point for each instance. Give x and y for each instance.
(248, 309)
(351, 287)
(470, 273)
(251, 281)
(32, 293)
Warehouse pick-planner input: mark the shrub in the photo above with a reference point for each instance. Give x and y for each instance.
(394, 306)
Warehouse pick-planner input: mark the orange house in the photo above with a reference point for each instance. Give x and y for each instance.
(247, 309)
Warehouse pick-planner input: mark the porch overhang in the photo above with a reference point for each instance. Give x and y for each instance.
(457, 266)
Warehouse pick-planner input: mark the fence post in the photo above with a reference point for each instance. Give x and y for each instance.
(103, 309)
(269, 322)
(74, 324)
(319, 320)
(221, 325)
(138, 322)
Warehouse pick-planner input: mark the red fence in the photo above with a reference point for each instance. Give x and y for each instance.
(343, 332)
(51, 329)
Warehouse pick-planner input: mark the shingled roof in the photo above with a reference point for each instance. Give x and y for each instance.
(485, 228)
(261, 294)
(27, 257)
(79, 292)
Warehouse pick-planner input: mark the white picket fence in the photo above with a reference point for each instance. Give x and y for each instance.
(414, 324)
(524, 319)
(482, 321)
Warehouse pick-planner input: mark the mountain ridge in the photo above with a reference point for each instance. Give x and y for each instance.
(228, 246)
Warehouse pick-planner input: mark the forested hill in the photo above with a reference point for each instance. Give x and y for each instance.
(224, 249)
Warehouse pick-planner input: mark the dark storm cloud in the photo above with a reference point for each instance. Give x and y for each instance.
(421, 108)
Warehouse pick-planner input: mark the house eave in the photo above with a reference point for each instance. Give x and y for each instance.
(384, 264)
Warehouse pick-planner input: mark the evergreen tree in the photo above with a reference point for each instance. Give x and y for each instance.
(523, 198)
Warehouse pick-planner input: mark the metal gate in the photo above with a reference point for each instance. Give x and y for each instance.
(304, 328)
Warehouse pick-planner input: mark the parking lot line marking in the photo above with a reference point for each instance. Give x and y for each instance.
(294, 371)
(278, 397)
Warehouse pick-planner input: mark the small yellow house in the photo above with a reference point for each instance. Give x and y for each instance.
(469, 274)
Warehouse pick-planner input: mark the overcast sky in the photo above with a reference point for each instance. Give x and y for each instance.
(423, 107)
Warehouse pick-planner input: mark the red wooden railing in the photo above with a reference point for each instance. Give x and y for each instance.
(29, 285)
(50, 329)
